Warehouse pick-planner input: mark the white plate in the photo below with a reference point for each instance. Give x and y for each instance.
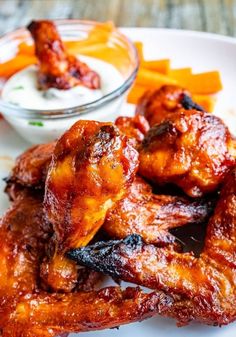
(202, 52)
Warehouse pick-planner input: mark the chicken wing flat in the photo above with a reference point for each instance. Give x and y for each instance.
(191, 149)
(57, 69)
(48, 315)
(28, 311)
(203, 289)
(91, 168)
(155, 105)
(135, 128)
(151, 216)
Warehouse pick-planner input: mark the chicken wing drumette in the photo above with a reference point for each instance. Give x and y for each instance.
(152, 216)
(203, 289)
(57, 68)
(155, 105)
(28, 311)
(91, 168)
(191, 149)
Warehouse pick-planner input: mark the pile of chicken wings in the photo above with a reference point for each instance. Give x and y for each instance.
(107, 199)
(104, 199)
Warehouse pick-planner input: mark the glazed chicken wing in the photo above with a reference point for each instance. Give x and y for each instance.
(31, 166)
(57, 68)
(151, 215)
(203, 289)
(28, 311)
(155, 105)
(23, 235)
(135, 128)
(191, 149)
(91, 168)
(48, 315)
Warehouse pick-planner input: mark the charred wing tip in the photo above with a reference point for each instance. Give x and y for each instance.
(106, 256)
(31, 25)
(133, 241)
(189, 104)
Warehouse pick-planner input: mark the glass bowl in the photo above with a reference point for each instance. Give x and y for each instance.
(107, 44)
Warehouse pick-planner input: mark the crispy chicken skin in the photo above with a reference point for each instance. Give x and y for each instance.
(23, 235)
(91, 168)
(58, 69)
(135, 128)
(155, 105)
(151, 215)
(203, 289)
(191, 149)
(31, 166)
(48, 315)
(28, 311)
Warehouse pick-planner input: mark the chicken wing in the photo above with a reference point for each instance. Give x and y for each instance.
(91, 168)
(28, 311)
(47, 315)
(31, 166)
(203, 289)
(58, 69)
(135, 128)
(191, 149)
(151, 215)
(23, 235)
(155, 105)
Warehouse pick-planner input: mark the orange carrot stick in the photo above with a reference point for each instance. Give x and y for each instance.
(153, 79)
(161, 66)
(205, 83)
(135, 93)
(206, 101)
(17, 63)
(139, 47)
(26, 49)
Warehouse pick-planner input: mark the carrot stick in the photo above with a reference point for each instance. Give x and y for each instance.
(206, 101)
(161, 66)
(153, 79)
(205, 83)
(17, 63)
(139, 47)
(135, 93)
(181, 75)
(107, 27)
(93, 49)
(26, 49)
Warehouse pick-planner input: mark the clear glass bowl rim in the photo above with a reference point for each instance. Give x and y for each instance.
(21, 112)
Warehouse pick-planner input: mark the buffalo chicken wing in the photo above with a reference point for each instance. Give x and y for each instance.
(31, 166)
(26, 310)
(57, 68)
(191, 149)
(91, 168)
(155, 105)
(151, 215)
(203, 289)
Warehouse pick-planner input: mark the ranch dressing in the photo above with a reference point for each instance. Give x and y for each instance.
(22, 88)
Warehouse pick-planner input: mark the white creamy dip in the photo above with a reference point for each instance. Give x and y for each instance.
(22, 89)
